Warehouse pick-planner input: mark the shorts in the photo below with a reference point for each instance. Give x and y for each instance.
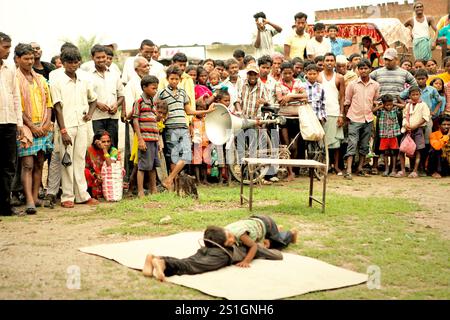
(178, 145)
(359, 134)
(148, 160)
(201, 154)
(419, 138)
(388, 144)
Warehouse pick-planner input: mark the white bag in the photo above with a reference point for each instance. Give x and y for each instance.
(310, 127)
(112, 181)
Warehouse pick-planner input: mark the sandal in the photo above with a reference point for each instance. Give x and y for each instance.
(385, 174)
(348, 176)
(362, 174)
(393, 174)
(413, 175)
(374, 171)
(31, 209)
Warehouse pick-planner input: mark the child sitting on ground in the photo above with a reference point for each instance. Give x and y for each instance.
(439, 160)
(201, 146)
(416, 115)
(146, 128)
(389, 130)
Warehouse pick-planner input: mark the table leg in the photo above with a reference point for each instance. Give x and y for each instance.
(250, 174)
(324, 191)
(311, 183)
(242, 184)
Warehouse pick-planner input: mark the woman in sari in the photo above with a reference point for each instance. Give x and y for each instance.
(99, 151)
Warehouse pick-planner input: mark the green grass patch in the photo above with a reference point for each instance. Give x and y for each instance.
(354, 233)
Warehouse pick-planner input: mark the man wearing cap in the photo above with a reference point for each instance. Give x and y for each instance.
(341, 68)
(392, 81)
(252, 95)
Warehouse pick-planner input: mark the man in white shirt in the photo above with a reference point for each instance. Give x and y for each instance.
(146, 50)
(319, 45)
(74, 101)
(262, 37)
(10, 125)
(110, 96)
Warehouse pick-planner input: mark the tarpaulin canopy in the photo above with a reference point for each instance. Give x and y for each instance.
(388, 30)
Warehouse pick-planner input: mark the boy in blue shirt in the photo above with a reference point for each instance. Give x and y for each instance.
(338, 44)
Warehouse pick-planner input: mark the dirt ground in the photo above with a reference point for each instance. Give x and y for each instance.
(35, 251)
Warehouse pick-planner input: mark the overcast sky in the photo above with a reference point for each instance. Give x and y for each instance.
(171, 22)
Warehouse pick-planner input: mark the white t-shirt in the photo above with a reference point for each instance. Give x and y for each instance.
(315, 48)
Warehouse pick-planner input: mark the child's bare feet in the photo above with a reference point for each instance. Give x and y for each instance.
(148, 266)
(141, 195)
(290, 177)
(167, 184)
(436, 175)
(266, 243)
(294, 235)
(158, 269)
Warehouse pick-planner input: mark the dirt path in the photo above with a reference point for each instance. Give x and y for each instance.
(35, 251)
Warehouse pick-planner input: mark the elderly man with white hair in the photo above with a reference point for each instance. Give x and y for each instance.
(341, 68)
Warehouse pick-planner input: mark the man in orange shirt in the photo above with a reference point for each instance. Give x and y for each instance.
(439, 161)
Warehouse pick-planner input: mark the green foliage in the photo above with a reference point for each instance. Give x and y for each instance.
(84, 45)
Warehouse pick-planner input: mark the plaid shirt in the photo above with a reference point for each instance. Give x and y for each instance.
(247, 97)
(389, 126)
(316, 98)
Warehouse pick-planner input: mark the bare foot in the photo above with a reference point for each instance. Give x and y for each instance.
(294, 235)
(148, 266)
(158, 269)
(266, 243)
(436, 175)
(290, 177)
(167, 184)
(141, 195)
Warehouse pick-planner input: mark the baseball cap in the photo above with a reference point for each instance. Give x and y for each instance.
(252, 67)
(390, 54)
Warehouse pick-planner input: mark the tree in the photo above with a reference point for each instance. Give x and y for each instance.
(85, 45)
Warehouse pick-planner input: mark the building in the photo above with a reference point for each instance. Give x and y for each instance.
(402, 11)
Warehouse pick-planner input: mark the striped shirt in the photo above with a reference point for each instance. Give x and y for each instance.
(392, 81)
(144, 110)
(316, 98)
(282, 90)
(253, 227)
(248, 96)
(175, 102)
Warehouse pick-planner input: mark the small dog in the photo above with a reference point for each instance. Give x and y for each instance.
(185, 185)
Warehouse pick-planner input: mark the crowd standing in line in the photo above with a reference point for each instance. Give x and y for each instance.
(75, 116)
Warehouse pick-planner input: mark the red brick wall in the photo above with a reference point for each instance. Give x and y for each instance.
(403, 11)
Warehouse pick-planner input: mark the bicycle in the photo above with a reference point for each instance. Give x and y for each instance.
(315, 150)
